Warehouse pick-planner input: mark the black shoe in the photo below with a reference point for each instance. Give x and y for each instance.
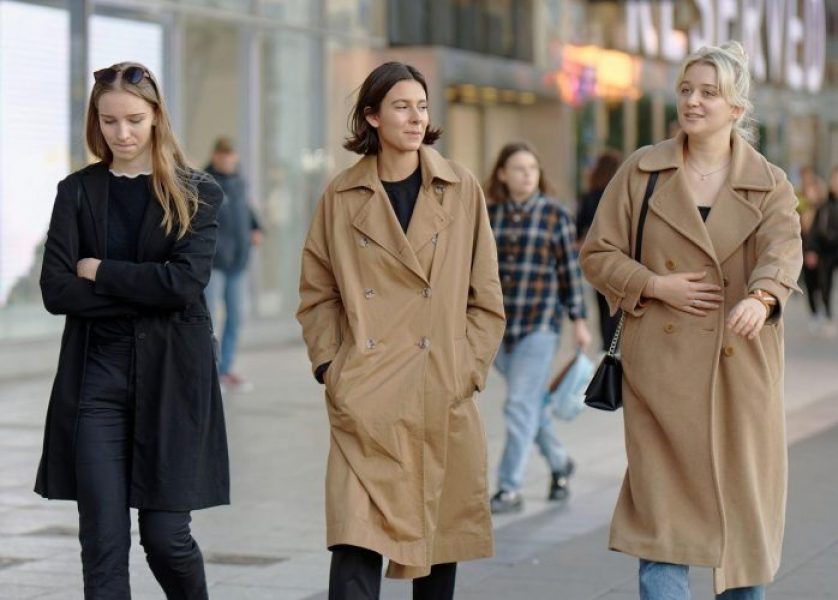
(506, 502)
(559, 489)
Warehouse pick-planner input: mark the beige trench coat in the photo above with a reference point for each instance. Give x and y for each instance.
(410, 323)
(704, 418)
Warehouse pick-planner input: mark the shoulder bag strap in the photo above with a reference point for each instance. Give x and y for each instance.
(644, 208)
(638, 245)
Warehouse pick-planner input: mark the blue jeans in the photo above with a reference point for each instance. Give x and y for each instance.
(664, 581)
(229, 286)
(526, 369)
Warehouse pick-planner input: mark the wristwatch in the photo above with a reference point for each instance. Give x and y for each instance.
(768, 300)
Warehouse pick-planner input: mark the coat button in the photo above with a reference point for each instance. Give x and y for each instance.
(434, 238)
(141, 336)
(424, 343)
(670, 264)
(369, 293)
(439, 188)
(371, 344)
(365, 241)
(669, 328)
(426, 293)
(728, 351)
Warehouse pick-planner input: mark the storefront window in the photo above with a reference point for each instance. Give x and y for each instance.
(294, 163)
(34, 154)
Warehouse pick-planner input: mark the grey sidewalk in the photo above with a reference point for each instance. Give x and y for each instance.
(269, 544)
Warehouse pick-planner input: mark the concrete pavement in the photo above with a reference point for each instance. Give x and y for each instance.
(269, 542)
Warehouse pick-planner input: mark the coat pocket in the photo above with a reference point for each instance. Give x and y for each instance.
(464, 370)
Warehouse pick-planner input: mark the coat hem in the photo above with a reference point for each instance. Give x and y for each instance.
(654, 552)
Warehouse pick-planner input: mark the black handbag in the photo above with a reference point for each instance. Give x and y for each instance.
(605, 392)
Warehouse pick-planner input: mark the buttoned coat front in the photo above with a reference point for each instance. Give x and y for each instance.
(410, 323)
(704, 416)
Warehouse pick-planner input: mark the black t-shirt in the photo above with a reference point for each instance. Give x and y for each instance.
(128, 198)
(403, 196)
(704, 211)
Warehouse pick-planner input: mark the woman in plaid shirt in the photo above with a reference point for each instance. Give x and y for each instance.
(541, 279)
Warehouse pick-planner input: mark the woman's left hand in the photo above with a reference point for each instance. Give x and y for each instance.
(747, 318)
(581, 335)
(86, 268)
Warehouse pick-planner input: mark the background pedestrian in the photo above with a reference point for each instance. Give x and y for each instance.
(135, 416)
(702, 340)
(812, 196)
(541, 281)
(604, 169)
(238, 230)
(822, 250)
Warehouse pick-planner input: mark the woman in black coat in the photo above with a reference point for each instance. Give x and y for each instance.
(135, 416)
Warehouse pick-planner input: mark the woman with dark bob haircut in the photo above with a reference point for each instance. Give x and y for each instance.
(402, 312)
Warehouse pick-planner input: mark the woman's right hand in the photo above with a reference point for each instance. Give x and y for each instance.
(686, 292)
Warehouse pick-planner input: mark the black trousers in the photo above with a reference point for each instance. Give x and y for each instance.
(103, 466)
(356, 575)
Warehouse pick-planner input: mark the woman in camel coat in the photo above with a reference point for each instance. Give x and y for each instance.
(402, 313)
(702, 345)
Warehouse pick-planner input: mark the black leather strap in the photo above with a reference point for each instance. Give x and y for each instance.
(644, 208)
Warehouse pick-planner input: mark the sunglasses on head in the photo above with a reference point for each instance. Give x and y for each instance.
(132, 75)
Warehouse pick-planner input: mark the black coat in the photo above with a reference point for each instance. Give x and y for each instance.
(179, 459)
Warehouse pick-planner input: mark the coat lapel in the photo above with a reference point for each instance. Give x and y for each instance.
(673, 203)
(378, 221)
(732, 219)
(736, 217)
(95, 184)
(429, 217)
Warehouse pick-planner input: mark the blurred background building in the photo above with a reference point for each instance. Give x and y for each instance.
(571, 76)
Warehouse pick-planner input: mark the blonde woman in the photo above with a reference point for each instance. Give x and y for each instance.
(702, 342)
(135, 416)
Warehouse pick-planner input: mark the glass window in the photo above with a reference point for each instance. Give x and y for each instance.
(34, 153)
(295, 164)
(294, 12)
(113, 40)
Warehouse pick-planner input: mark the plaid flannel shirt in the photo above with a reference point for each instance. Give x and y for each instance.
(539, 267)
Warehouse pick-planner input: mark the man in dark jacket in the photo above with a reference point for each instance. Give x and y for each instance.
(238, 230)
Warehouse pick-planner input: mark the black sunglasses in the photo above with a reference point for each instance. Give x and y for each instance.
(130, 74)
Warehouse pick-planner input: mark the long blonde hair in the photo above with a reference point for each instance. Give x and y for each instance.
(731, 64)
(170, 172)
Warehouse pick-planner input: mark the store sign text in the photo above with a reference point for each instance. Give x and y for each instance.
(785, 39)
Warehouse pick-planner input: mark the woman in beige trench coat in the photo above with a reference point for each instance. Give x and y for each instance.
(702, 345)
(402, 312)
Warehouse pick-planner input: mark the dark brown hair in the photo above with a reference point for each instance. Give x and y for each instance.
(606, 166)
(364, 137)
(170, 171)
(496, 190)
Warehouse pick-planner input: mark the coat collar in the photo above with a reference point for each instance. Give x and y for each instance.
(377, 220)
(733, 217)
(364, 173)
(748, 168)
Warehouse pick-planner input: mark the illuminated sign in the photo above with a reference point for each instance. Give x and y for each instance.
(785, 39)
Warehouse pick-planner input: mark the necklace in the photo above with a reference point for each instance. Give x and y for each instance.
(706, 175)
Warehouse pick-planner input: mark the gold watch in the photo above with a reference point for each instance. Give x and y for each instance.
(766, 298)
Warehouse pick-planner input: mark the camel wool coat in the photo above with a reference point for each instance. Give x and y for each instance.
(410, 324)
(704, 417)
